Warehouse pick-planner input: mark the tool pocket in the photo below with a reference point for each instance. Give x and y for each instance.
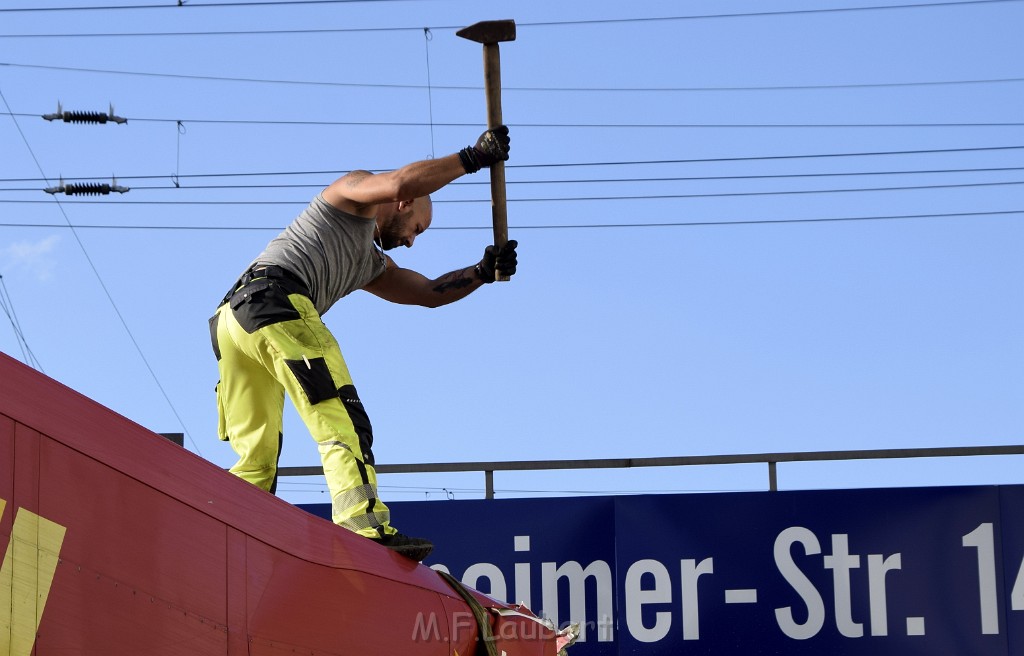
(262, 303)
(314, 378)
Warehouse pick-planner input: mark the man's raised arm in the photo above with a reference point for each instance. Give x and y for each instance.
(359, 190)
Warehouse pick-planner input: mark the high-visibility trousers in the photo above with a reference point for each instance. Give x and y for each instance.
(269, 339)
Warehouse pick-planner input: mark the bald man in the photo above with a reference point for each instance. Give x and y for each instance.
(269, 338)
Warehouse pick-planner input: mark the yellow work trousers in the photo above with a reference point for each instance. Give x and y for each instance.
(269, 340)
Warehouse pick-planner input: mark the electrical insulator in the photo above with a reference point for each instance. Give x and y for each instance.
(84, 117)
(87, 188)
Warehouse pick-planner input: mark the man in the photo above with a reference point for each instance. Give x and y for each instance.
(269, 339)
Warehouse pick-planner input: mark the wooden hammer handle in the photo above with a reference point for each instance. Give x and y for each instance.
(499, 201)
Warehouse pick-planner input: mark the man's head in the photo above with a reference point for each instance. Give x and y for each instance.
(399, 224)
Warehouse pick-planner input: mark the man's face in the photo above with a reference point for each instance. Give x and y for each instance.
(405, 226)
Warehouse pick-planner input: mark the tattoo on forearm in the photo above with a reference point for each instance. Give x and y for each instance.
(453, 280)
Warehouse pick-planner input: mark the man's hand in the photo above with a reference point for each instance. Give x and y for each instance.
(503, 260)
(491, 147)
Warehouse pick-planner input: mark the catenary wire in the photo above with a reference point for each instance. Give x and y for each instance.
(573, 199)
(467, 183)
(189, 5)
(597, 21)
(509, 88)
(585, 226)
(743, 158)
(518, 125)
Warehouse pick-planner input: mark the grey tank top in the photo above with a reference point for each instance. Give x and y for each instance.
(330, 250)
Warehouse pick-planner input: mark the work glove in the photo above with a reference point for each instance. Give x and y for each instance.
(503, 260)
(491, 147)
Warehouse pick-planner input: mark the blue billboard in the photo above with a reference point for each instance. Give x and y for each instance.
(906, 571)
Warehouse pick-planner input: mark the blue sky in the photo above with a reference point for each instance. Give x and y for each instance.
(869, 156)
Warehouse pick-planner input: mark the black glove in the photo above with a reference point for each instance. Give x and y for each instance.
(491, 147)
(503, 259)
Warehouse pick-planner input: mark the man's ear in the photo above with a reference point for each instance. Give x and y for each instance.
(403, 204)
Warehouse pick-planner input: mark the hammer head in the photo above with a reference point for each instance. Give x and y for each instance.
(489, 31)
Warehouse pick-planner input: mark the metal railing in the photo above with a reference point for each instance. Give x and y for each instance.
(771, 459)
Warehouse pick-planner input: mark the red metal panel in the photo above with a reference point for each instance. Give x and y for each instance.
(333, 610)
(166, 554)
(90, 612)
(154, 564)
(104, 436)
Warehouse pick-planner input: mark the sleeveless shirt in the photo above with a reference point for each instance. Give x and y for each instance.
(330, 250)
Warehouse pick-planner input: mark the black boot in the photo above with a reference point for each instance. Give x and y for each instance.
(413, 548)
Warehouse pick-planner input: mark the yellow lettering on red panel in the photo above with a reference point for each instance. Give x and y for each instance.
(25, 578)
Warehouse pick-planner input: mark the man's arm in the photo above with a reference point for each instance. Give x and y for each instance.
(358, 192)
(408, 287)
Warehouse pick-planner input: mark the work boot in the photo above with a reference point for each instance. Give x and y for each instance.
(413, 548)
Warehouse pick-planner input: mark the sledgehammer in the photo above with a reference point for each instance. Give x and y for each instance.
(491, 33)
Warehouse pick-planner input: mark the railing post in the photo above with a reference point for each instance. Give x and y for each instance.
(488, 483)
(773, 477)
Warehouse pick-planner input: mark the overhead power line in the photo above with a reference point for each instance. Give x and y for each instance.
(781, 12)
(603, 126)
(575, 199)
(587, 226)
(510, 88)
(565, 181)
(695, 160)
(696, 178)
(753, 158)
(191, 4)
(419, 124)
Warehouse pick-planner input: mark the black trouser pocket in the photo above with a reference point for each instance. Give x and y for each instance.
(314, 378)
(262, 303)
